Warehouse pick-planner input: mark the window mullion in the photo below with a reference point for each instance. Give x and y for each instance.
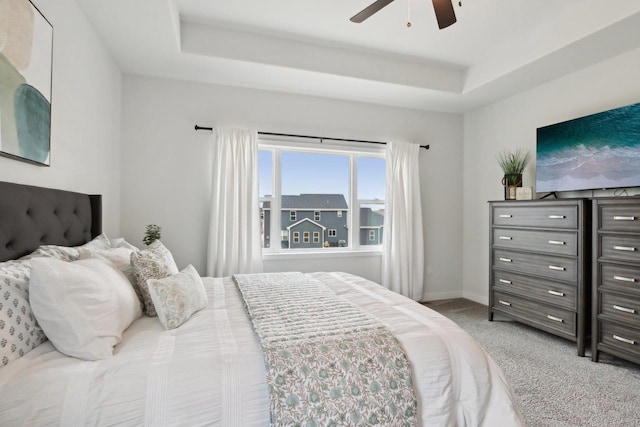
(277, 200)
(354, 217)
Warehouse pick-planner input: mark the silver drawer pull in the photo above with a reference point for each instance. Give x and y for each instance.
(625, 340)
(625, 248)
(625, 279)
(505, 238)
(557, 217)
(554, 318)
(556, 268)
(624, 309)
(624, 218)
(556, 242)
(505, 303)
(506, 259)
(506, 282)
(556, 293)
(505, 216)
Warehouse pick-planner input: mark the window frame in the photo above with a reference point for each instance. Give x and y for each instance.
(278, 145)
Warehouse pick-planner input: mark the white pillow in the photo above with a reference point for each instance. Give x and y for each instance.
(69, 253)
(176, 298)
(120, 257)
(82, 306)
(119, 242)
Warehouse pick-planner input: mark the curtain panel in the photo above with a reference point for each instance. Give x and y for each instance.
(234, 229)
(403, 246)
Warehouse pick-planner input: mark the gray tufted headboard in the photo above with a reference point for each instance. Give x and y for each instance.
(33, 216)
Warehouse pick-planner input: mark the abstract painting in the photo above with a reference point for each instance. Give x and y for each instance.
(26, 56)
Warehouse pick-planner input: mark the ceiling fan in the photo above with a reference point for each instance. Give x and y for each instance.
(444, 12)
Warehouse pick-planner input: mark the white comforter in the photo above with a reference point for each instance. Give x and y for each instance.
(210, 371)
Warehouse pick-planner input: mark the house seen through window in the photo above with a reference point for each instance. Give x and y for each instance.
(332, 198)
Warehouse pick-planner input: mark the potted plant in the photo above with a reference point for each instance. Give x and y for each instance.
(151, 234)
(513, 164)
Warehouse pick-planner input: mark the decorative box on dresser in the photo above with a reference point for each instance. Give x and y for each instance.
(616, 278)
(539, 265)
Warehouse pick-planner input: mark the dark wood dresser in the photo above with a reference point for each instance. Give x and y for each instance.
(616, 278)
(540, 265)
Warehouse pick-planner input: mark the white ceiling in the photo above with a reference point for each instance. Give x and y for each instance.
(497, 47)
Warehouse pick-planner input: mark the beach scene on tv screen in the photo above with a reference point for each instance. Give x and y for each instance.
(593, 152)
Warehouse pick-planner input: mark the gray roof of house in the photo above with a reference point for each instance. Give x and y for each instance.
(312, 201)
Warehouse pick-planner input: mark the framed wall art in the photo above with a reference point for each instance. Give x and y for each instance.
(26, 57)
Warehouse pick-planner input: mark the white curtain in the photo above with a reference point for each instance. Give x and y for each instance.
(403, 256)
(234, 230)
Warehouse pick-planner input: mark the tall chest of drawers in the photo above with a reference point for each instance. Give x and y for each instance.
(616, 278)
(539, 265)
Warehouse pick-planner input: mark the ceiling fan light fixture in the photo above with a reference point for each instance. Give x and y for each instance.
(445, 14)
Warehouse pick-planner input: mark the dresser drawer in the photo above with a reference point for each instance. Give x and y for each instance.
(555, 242)
(549, 266)
(537, 216)
(556, 293)
(621, 309)
(624, 217)
(551, 317)
(617, 247)
(619, 278)
(620, 337)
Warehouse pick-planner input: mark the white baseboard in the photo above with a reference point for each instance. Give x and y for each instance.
(479, 298)
(435, 296)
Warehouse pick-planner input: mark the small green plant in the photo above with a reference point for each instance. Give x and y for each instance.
(513, 163)
(151, 234)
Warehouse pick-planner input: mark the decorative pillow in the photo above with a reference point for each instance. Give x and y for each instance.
(19, 330)
(154, 262)
(82, 306)
(178, 297)
(68, 253)
(119, 257)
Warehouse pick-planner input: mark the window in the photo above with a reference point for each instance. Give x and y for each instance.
(284, 235)
(300, 181)
(371, 195)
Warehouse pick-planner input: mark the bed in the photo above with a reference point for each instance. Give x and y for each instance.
(211, 370)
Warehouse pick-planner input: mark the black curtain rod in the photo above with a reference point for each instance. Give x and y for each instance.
(321, 138)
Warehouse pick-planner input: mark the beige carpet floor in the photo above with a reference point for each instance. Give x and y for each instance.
(554, 387)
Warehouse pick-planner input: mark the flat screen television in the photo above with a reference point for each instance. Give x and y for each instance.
(599, 151)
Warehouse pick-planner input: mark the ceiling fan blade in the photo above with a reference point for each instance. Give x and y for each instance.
(369, 10)
(444, 13)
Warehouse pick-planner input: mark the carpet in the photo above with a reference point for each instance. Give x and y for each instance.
(554, 387)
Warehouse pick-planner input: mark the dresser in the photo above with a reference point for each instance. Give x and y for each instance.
(540, 265)
(616, 278)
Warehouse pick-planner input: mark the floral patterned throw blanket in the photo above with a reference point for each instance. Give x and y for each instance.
(328, 363)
